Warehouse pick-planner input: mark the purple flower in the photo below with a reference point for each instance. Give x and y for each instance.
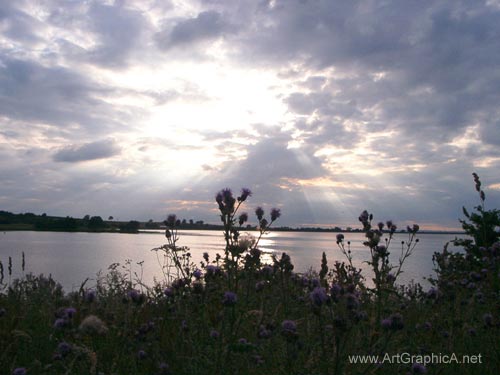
(488, 319)
(318, 296)
(212, 270)
(259, 212)
(90, 295)
(340, 238)
(418, 368)
(171, 220)
(141, 354)
(243, 218)
(352, 301)
(386, 323)
(64, 348)
(243, 341)
(169, 292)
(2, 312)
(289, 326)
(197, 274)
(245, 193)
(205, 256)
(19, 371)
(229, 298)
(60, 323)
(336, 289)
(70, 312)
(275, 214)
(214, 334)
(432, 293)
(259, 286)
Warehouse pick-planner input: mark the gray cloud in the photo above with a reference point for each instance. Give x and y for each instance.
(89, 151)
(206, 26)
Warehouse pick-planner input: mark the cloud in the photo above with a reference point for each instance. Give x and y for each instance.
(89, 151)
(206, 26)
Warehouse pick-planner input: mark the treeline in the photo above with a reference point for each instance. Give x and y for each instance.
(31, 221)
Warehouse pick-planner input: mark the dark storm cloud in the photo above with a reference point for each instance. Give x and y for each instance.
(88, 151)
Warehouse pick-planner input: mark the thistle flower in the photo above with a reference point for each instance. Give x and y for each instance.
(243, 218)
(19, 371)
(340, 238)
(289, 326)
(275, 214)
(318, 296)
(205, 256)
(171, 220)
(229, 299)
(418, 368)
(488, 319)
(92, 324)
(197, 274)
(141, 354)
(214, 334)
(259, 212)
(70, 312)
(90, 295)
(64, 348)
(60, 323)
(245, 193)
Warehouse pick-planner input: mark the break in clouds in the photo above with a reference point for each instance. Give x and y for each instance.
(323, 108)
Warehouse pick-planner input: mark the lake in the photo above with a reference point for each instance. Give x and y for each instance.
(72, 257)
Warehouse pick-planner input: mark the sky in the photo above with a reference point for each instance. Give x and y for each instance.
(139, 109)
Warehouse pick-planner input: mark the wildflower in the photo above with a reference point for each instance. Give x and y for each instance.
(212, 270)
(418, 368)
(267, 270)
(60, 323)
(243, 218)
(171, 221)
(92, 324)
(259, 286)
(340, 238)
(488, 319)
(136, 296)
(472, 332)
(197, 274)
(2, 312)
(90, 295)
(205, 256)
(264, 333)
(289, 329)
(391, 278)
(318, 296)
(229, 298)
(214, 334)
(432, 293)
(70, 312)
(164, 369)
(169, 292)
(245, 193)
(336, 290)
(386, 323)
(352, 301)
(259, 212)
(275, 214)
(394, 322)
(19, 371)
(184, 325)
(242, 341)
(141, 354)
(64, 348)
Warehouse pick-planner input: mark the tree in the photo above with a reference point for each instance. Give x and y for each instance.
(96, 223)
